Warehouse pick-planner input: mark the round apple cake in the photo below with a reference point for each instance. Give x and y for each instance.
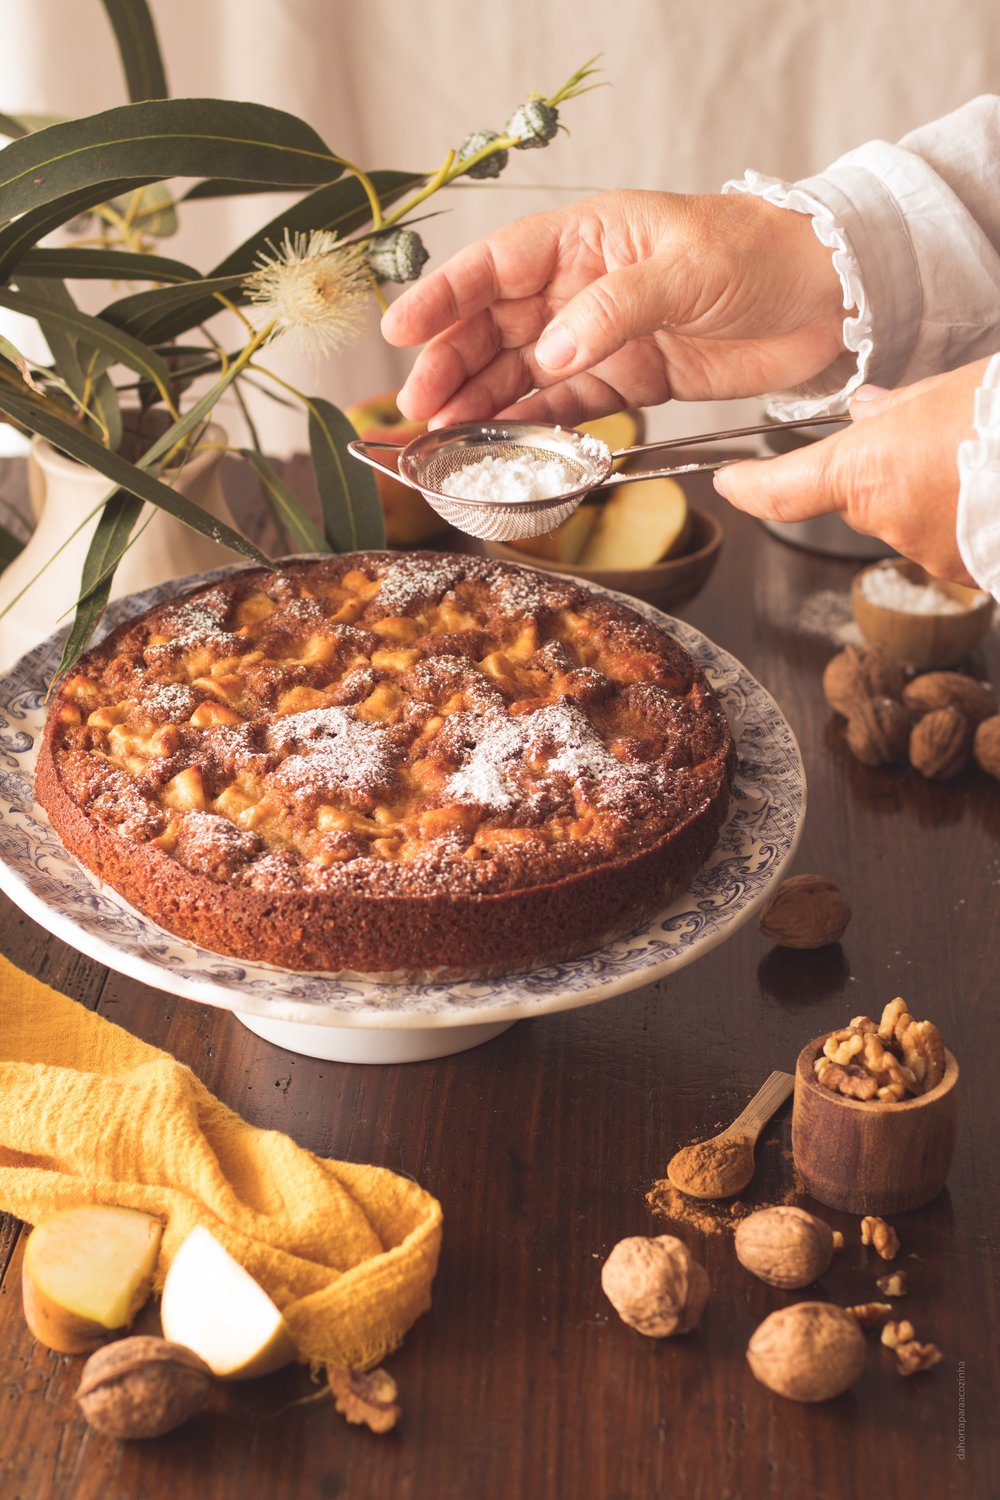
(399, 765)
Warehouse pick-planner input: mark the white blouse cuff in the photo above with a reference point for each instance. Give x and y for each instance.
(830, 391)
(978, 527)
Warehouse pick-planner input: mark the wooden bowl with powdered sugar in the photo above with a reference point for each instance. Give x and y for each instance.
(923, 621)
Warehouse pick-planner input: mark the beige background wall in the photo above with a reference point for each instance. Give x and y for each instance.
(698, 90)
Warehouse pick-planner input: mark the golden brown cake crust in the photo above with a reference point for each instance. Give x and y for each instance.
(392, 764)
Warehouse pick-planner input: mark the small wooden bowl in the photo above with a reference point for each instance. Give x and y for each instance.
(666, 584)
(867, 1157)
(924, 641)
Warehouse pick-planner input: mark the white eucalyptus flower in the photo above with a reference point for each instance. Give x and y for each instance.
(314, 287)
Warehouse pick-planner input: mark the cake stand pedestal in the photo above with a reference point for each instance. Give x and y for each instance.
(350, 1044)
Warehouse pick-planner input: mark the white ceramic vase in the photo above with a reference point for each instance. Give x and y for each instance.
(62, 492)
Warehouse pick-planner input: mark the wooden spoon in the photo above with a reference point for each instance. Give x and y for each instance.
(722, 1165)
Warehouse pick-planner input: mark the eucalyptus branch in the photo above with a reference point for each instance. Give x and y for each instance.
(455, 166)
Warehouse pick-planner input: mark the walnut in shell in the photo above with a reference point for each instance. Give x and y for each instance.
(878, 731)
(860, 672)
(931, 690)
(655, 1285)
(940, 744)
(806, 911)
(986, 746)
(784, 1246)
(811, 1351)
(142, 1387)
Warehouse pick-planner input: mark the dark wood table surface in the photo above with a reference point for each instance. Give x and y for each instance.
(521, 1383)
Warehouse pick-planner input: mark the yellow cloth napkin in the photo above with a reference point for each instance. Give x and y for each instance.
(89, 1114)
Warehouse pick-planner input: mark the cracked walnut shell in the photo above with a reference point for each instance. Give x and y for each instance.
(655, 1285)
(811, 1351)
(784, 1246)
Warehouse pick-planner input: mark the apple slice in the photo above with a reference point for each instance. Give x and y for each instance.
(566, 542)
(644, 522)
(86, 1273)
(213, 1306)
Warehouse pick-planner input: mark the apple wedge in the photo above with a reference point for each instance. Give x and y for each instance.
(215, 1307)
(644, 522)
(566, 542)
(86, 1273)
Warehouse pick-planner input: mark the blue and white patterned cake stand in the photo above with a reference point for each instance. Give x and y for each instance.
(352, 1018)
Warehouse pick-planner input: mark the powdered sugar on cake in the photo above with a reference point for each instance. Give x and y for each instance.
(333, 751)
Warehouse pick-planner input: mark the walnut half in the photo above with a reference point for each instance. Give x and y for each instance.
(880, 1235)
(369, 1398)
(913, 1356)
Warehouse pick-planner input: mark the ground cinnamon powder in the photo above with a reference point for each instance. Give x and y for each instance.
(707, 1168)
(711, 1218)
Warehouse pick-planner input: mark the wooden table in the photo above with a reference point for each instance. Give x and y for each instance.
(521, 1383)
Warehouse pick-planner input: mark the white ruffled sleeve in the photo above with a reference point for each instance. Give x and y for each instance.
(978, 527)
(914, 230)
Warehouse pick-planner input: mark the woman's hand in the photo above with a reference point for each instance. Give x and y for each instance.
(624, 299)
(893, 473)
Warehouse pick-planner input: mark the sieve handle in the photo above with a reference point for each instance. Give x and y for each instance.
(359, 447)
(622, 477)
(635, 476)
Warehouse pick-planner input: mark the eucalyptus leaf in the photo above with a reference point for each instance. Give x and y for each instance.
(53, 297)
(87, 264)
(119, 347)
(348, 494)
(286, 507)
(23, 124)
(69, 439)
(111, 538)
(135, 34)
(10, 352)
(85, 622)
(12, 126)
(228, 187)
(18, 238)
(107, 407)
(146, 315)
(157, 139)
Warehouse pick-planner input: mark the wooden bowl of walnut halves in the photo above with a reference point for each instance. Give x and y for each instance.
(873, 1119)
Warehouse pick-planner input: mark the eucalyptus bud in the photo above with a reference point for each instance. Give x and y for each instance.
(398, 256)
(490, 166)
(534, 124)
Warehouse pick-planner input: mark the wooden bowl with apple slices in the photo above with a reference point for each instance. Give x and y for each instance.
(649, 539)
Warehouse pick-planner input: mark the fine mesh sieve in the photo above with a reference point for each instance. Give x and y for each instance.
(430, 461)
